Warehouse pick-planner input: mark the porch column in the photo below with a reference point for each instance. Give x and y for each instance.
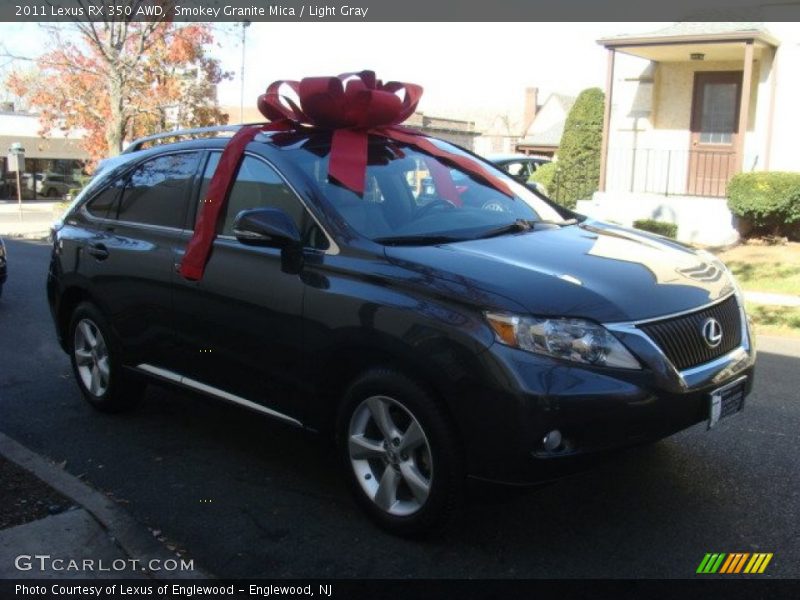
(744, 105)
(606, 119)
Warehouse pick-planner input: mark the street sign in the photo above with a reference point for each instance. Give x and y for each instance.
(16, 162)
(16, 158)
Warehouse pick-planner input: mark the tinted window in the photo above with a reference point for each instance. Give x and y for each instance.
(156, 192)
(257, 186)
(104, 205)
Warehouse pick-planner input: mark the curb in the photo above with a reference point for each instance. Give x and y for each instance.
(132, 537)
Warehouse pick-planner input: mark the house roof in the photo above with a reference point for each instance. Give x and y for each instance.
(552, 135)
(564, 100)
(549, 137)
(692, 32)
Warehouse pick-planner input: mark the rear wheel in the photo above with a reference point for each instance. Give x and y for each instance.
(400, 452)
(52, 193)
(95, 362)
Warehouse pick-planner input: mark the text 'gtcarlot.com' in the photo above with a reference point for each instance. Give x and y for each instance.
(45, 562)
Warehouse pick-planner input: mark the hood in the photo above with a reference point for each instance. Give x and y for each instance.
(591, 270)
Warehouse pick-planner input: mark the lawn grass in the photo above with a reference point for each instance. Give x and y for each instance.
(763, 268)
(774, 320)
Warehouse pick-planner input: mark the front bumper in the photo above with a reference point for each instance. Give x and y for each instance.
(594, 409)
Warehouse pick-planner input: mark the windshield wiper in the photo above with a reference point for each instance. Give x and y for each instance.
(523, 225)
(417, 240)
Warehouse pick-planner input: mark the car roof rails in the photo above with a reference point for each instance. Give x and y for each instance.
(136, 145)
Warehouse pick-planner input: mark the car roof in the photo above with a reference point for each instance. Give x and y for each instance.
(495, 158)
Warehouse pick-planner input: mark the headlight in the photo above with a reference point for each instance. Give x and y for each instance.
(570, 339)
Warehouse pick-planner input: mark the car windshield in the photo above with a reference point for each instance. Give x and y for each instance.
(412, 197)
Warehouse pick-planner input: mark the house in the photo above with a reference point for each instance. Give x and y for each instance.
(502, 131)
(456, 131)
(688, 107)
(542, 134)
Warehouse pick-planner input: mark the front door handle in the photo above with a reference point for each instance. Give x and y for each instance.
(99, 251)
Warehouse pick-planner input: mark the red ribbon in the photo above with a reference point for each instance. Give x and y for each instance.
(354, 106)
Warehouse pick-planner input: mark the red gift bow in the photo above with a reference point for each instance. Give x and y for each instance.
(353, 105)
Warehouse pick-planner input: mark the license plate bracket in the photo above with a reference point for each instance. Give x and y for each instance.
(726, 401)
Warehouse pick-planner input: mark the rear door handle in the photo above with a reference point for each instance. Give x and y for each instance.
(99, 251)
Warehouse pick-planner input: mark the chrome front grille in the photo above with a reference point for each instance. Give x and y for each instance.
(681, 338)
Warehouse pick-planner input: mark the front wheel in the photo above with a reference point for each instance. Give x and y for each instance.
(400, 452)
(96, 364)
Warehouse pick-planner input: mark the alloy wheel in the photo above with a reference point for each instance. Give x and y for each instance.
(91, 357)
(390, 455)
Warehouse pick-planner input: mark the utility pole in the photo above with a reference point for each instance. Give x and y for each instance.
(245, 25)
(16, 162)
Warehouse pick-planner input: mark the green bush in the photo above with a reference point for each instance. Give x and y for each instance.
(579, 151)
(669, 230)
(769, 200)
(544, 174)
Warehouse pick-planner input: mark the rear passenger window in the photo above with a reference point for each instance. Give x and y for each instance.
(257, 186)
(157, 191)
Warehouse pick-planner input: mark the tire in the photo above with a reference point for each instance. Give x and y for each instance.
(52, 193)
(412, 483)
(95, 357)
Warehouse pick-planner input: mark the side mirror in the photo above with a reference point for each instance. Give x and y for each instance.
(266, 227)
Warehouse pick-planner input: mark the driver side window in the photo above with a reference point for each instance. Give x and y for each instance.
(258, 185)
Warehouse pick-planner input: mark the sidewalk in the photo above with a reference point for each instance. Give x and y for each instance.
(772, 299)
(31, 222)
(93, 539)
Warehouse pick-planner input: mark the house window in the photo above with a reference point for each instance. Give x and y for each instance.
(718, 121)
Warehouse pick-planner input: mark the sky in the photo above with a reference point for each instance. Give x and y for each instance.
(465, 68)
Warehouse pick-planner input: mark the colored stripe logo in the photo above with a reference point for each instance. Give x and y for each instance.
(736, 562)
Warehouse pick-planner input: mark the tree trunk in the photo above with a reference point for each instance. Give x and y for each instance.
(115, 128)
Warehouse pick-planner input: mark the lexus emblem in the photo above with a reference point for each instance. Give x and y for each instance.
(712, 332)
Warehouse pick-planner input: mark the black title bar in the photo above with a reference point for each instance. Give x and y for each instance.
(399, 10)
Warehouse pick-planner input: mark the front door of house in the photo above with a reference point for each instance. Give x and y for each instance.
(715, 128)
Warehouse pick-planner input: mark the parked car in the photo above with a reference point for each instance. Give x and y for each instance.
(519, 166)
(3, 265)
(52, 185)
(503, 339)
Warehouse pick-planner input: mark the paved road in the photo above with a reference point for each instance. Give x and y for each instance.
(250, 497)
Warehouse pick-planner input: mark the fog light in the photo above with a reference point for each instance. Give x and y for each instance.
(552, 440)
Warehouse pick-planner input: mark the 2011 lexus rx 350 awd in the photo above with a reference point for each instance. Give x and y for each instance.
(495, 337)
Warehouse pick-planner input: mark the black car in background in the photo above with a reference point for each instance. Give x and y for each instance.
(519, 166)
(3, 265)
(504, 339)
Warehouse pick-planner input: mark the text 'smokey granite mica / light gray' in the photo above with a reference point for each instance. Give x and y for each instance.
(407, 11)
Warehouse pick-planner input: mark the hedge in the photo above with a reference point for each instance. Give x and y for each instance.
(579, 149)
(544, 175)
(769, 200)
(669, 230)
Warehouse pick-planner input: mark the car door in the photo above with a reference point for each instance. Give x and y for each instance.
(134, 225)
(240, 326)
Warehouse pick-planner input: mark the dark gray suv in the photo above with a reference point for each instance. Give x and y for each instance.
(496, 337)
